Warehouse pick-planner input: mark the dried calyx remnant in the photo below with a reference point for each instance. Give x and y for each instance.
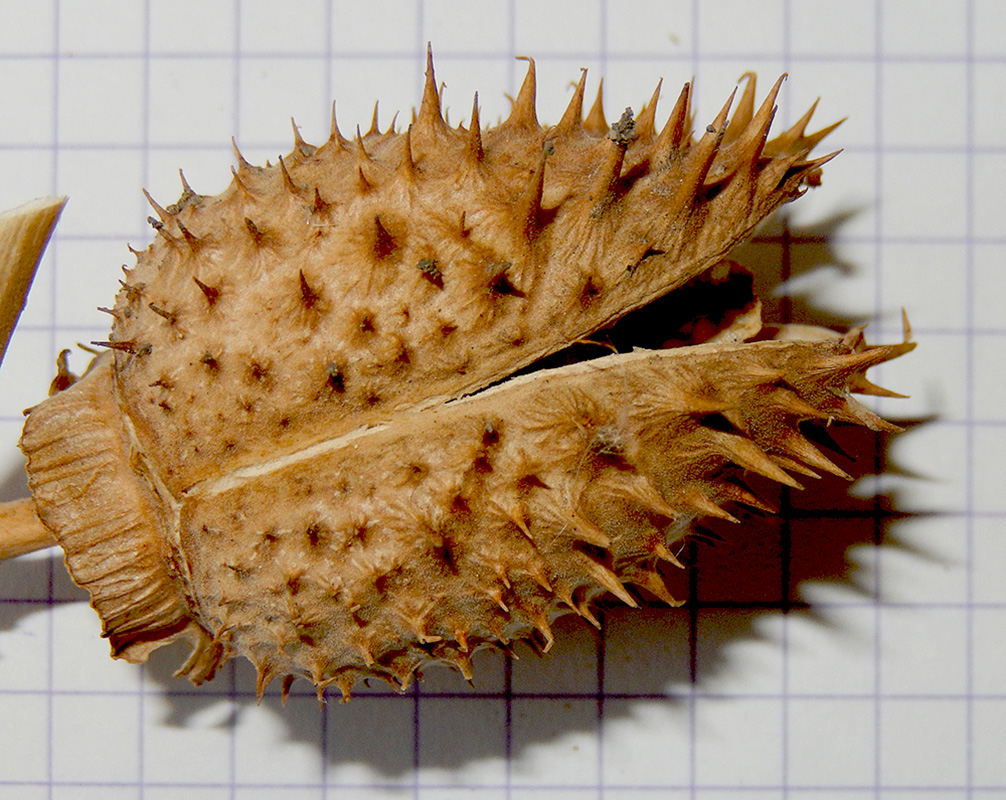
(302, 447)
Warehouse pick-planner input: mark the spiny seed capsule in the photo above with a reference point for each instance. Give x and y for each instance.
(335, 433)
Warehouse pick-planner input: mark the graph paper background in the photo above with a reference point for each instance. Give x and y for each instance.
(856, 649)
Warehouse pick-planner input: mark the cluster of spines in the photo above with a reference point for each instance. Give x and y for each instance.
(488, 551)
(578, 173)
(628, 152)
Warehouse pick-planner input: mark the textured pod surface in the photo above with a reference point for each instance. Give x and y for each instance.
(293, 452)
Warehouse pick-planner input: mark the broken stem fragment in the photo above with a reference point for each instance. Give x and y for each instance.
(24, 233)
(20, 530)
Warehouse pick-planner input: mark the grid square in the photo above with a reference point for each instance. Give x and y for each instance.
(27, 172)
(740, 742)
(554, 743)
(292, 759)
(989, 383)
(101, 101)
(988, 276)
(91, 736)
(989, 28)
(25, 80)
(750, 34)
(383, 793)
(747, 568)
(923, 654)
(297, 32)
(988, 657)
(665, 762)
(459, 793)
(739, 651)
(937, 484)
(646, 651)
(936, 732)
(104, 185)
(357, 750)
(988, 555)
(989, 446)
(475, 759)
(363, 28)
(193, 26)
(273, 92)
(986, 200)
(923, 29)
(667, 33)
(831, 651)
(84, 28)
(989, 101)
(31, 33)
(913, 794)
(925, 196)
(196, 749)
(831, 559)
(928, 281)
(80, 660)
(831, 285)
(923, 561)
(823, 28)
(831, 742)
(940, 121)
(448, 24)
(535, 24)
(24, 755)
(988, 734)
(25, 579)
(192, 101)
(570, 667)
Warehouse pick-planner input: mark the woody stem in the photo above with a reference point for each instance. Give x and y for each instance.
(20, 530)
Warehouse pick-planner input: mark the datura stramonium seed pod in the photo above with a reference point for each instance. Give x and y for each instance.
(324, 437)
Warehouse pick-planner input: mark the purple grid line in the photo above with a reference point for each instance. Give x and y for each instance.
(969, 362)
(50, 676)
(878, 764)
(491, 55)
(507, 660)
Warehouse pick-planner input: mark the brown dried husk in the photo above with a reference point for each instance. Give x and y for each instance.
(297, 451)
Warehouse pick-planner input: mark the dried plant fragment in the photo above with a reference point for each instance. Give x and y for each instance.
(326, 437)
(24, 233)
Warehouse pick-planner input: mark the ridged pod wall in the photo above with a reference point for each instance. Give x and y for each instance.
(310, 444)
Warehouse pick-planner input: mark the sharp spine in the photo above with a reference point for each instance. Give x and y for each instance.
(572, 118)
